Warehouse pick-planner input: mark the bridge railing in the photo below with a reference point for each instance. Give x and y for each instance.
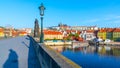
(49, 58)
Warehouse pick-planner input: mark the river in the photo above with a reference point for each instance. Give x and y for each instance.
(93, 57)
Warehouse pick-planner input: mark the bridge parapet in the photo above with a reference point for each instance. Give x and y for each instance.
(51, 59)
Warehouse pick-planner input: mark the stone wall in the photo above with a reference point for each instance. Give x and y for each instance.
(49, 58)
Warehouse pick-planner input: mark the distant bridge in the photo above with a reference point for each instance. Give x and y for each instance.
(24, 52)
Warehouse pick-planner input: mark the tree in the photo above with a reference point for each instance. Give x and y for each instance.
(71, 34)
(76, 35)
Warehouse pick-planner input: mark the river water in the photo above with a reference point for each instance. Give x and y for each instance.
(94, 57)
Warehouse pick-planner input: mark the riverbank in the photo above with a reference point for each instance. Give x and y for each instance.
(110, 43)
(58, 43)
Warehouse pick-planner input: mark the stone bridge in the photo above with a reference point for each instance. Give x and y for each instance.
(25, 52)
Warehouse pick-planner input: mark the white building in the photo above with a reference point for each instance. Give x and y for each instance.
(87, 34)
(84, 28)
(28, 30)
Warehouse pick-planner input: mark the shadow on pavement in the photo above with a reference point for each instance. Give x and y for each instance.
(25, 44)
(32, 57)
(12, 61)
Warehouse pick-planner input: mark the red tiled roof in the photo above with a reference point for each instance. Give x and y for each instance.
(22, 32)
(78, 32)
(80, 39)
(69, 31)
(1, 30)
(90, 31)
(117, 30)
(50, 32)
(110, 29)
(103, 30)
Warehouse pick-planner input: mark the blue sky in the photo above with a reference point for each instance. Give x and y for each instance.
(22, 13)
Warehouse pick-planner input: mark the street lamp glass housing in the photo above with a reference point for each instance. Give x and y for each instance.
(42, 8)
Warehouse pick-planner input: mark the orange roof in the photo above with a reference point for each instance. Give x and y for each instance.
(103, 30)
(78, 32)
(90, 31)
(22, 32)
(68, 31)
(80, 39)
(50, 32)
(1, 30)
(117, 30)
(110, 29)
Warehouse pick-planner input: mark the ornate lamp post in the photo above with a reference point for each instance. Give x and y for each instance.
(41, 8)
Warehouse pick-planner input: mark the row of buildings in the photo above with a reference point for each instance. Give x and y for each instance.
(69, 35)
(109, 33)
(11, 32)
(79, 33)
(103, 33)
(66, 27)
(89, 32)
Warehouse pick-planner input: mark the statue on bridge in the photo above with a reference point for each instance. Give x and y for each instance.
(36, 29)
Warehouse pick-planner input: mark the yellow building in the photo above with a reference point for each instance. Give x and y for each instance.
(102, 34)
(52, 35)
(22, 33)
(1, 32)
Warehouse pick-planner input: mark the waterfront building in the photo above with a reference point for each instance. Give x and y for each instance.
(22, 33)
(87, 34)
(116, 34)
(90, 35)
(27, 30)
(50, 34)
(83, 34)
(1, 32)
(8, 32)
(102, 33)
(109, 33)
(14, 33)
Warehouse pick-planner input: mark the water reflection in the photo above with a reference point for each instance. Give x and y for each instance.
(101, 50)
(92, 56)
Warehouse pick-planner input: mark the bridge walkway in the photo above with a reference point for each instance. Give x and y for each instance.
(18, 53)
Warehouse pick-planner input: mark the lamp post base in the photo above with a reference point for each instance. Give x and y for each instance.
(41, 38)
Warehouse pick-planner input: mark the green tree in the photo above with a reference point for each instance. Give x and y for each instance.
(76, 35)
(71, 34)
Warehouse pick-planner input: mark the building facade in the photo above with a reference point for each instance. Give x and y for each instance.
(116, 34)
(102, 34)
(84, 28)
(1, 32)
(109, 33)
(50, 34)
